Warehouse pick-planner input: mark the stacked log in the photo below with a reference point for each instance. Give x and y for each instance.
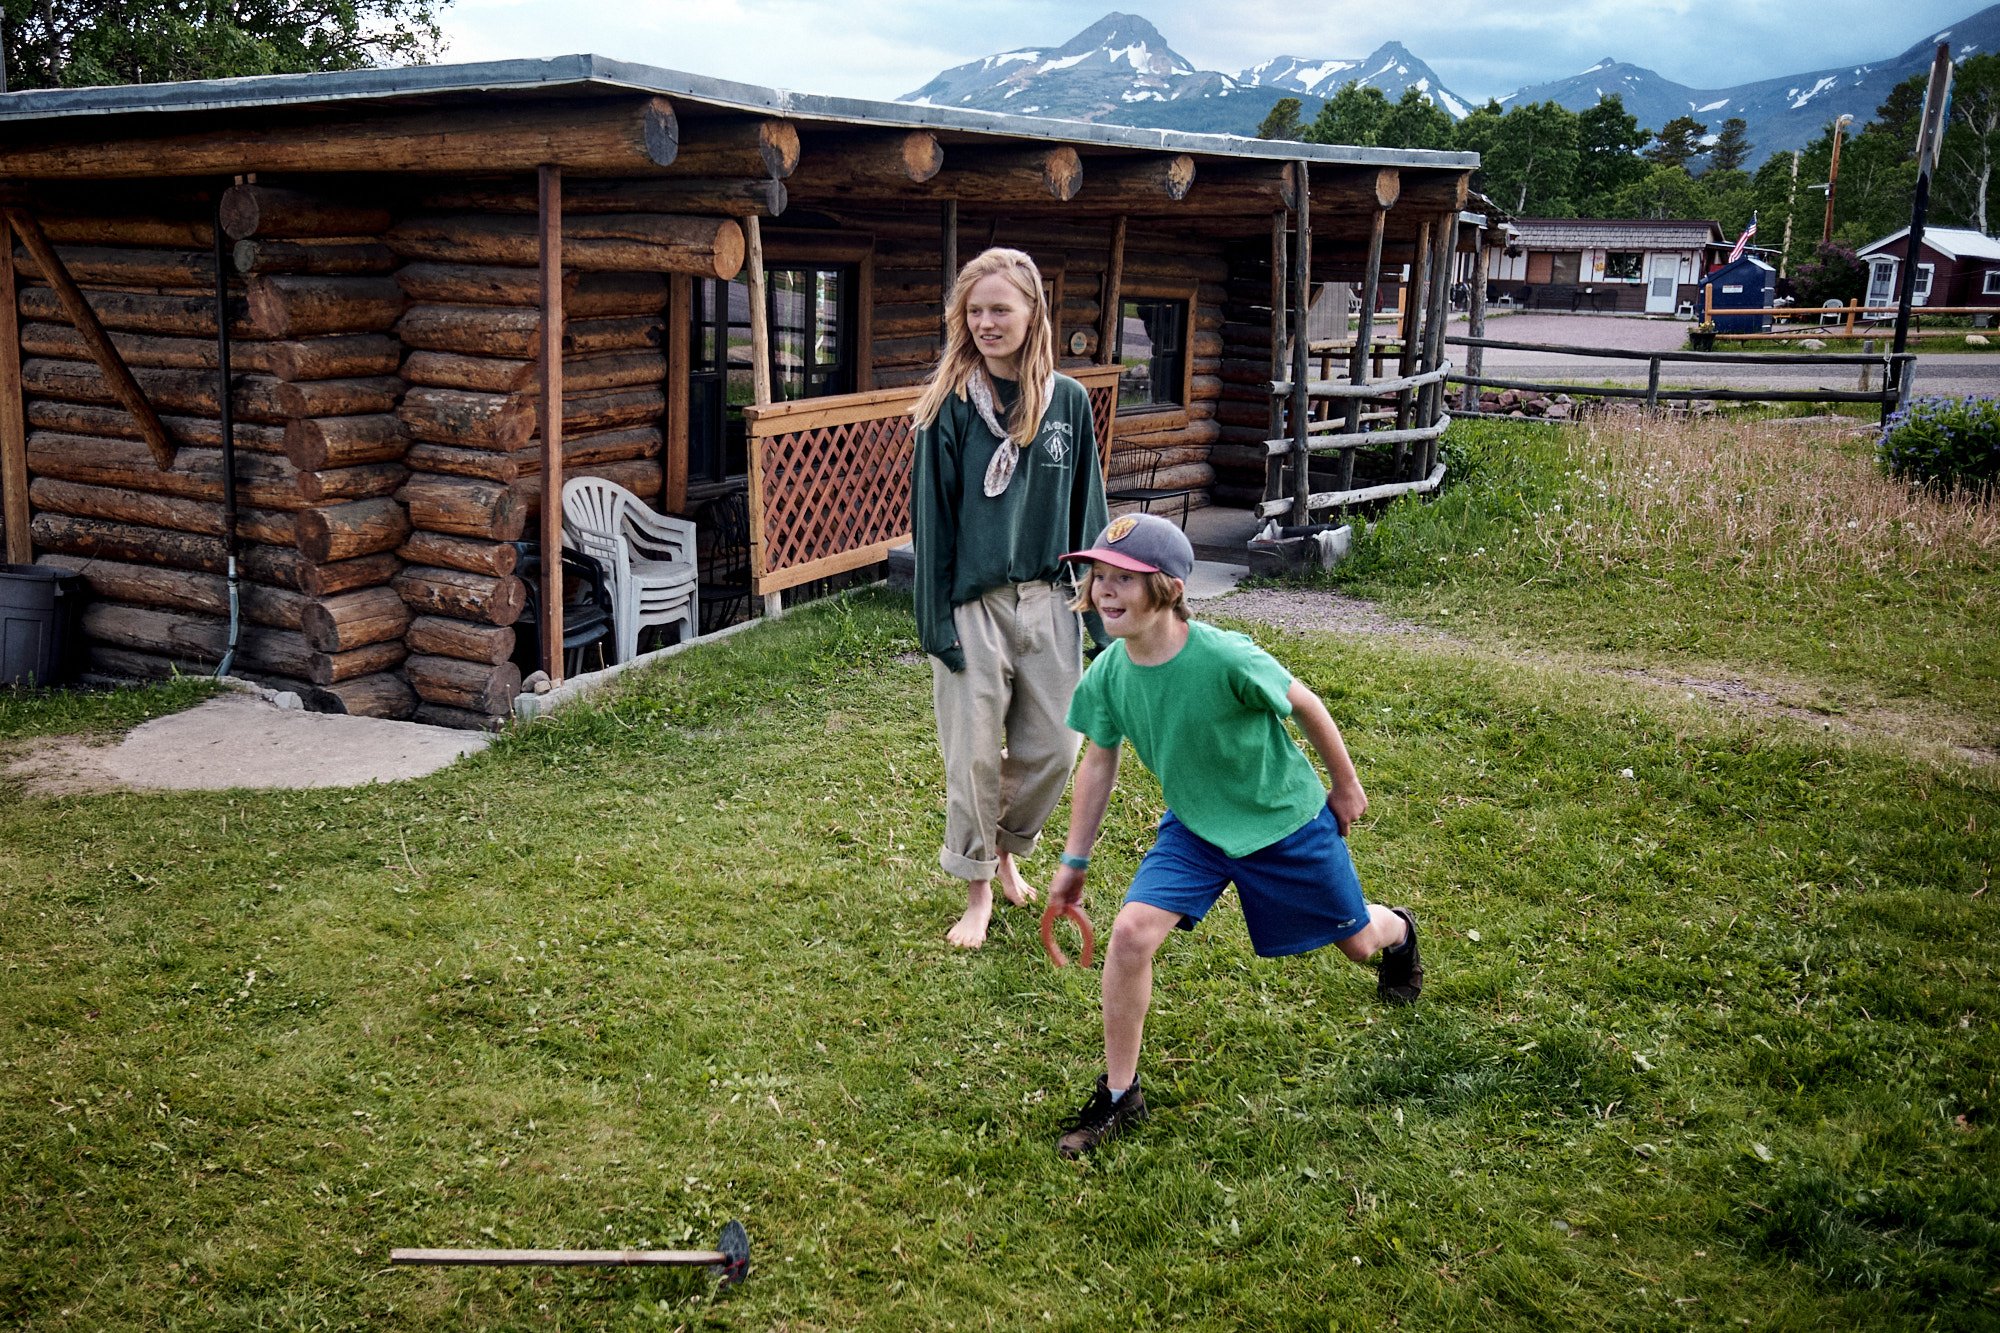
(311, 300)
(472, 333)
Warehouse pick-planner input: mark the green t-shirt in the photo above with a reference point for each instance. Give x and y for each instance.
(1209, 722)
(968, 542)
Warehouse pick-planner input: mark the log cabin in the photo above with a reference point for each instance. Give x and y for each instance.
(293, 367)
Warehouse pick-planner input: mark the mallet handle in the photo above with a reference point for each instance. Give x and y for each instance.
(592, 1258)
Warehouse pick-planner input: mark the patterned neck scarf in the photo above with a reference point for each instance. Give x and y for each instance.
(1000, 471)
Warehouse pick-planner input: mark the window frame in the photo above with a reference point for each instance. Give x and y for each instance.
(783, 249)
(1638, 266)
(1160, 415)
(1990, 283)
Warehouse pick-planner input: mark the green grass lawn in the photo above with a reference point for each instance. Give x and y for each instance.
(1709, 1039)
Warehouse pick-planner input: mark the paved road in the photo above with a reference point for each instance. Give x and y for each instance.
(1955, 373)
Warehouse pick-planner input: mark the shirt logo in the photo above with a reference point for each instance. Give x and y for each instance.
(1056, 438)
(1120, 528)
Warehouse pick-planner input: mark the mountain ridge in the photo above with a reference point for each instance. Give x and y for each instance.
(1122, 70)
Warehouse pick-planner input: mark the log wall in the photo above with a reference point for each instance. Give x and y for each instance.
(311, 359)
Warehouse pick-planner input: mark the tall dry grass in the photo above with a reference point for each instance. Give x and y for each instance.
(1761, 499)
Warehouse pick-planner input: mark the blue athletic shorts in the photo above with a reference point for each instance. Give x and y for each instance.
(1298, 894)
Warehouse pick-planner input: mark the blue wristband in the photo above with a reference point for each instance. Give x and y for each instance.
(1075, 862)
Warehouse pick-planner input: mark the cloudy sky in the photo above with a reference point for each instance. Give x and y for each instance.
(885, 48)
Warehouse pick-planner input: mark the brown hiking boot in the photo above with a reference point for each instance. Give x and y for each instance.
(1102, 1119)
(1399, 975)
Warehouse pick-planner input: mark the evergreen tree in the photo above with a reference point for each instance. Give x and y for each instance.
(1354, 115)
(1608, 144)
(1678, 143)
(1414, 122)
(1530, 163)
(1732, 147)
(77, 43)
(1282, 122)
(1666, 192)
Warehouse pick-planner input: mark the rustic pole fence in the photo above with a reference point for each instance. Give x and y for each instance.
(1895, 368)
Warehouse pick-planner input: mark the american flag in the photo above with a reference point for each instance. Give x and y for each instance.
(1736, 252)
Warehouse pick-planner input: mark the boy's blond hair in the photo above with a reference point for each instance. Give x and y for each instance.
(1161, 590)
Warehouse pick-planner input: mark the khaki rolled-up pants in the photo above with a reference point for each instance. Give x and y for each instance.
(1007, 750)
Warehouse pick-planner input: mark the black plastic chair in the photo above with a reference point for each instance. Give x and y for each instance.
(722, 543)
(586, 609)
(1151, 492)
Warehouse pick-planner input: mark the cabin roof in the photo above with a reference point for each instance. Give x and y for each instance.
(1951, 242)
(584, 75)
(1582, 233)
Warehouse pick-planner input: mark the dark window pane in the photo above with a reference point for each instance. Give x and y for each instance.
(1151, 353)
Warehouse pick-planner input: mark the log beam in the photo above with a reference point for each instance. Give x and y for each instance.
(14, 513)
(262, 210)
(1136, 180)
(737, 196)
(550, 415)
(116, 374)
(835, 163)
(606, 136)
(763, 147)
(707, 247)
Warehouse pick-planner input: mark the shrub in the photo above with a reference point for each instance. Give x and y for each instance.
(1834, 273)
(1947, 443)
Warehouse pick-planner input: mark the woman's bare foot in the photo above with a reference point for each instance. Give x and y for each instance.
(970, 932)
(1012, 887)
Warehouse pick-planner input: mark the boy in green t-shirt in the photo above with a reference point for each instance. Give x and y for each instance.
(1205, 709)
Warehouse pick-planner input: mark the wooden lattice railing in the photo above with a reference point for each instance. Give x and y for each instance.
(830, 479)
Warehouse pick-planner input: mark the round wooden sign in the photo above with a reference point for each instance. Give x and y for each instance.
(1079, 343)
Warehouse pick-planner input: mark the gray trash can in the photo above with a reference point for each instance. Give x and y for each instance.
(40, 624)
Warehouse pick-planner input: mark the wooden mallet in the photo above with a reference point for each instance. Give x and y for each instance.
(730, 1259)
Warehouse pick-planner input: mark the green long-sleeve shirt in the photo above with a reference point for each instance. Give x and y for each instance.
(967, 542)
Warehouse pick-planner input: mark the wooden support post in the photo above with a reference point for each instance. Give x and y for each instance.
(680, 329)
(1444, 242)
(1301, 302)
(760, 385)
(549, 198)
(1475, 356)
(13, 418)
(1652, 383)
(1114, 280)
(947, 260)
(116, 375)
(1413, 303)
(1280, 279)
(1358, 361)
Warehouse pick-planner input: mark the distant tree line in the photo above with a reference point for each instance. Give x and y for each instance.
(1543, 160)
(82, 43)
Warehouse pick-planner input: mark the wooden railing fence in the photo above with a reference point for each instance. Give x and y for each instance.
(830, 479)
(1893, 366)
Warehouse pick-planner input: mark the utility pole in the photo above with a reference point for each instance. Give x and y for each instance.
(1832, 175)
(1937, 96)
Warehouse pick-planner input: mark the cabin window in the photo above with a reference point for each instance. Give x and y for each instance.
(1991, 286)
(812, 312)
(1152, 351)
(1624, 266)
(1922, 289)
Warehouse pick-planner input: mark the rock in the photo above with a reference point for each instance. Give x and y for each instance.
(1557, 412)
(1509, 398)
(1977, 340)
(288, 700)
(1812, 345)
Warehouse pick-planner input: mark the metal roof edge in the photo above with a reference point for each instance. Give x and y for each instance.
(584, 70)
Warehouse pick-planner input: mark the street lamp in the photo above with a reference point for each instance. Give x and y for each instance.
(1832, 175)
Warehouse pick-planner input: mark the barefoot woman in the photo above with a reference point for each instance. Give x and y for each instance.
(1006, 480)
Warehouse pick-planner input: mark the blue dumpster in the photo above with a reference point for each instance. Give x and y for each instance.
(41, 611)
(1747, 284)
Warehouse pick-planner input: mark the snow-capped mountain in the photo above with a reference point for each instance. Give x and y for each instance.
(1116, 63)
(1120, 70)
(1782, 113)
(1390, 67)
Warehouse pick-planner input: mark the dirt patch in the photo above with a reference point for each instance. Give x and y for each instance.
(1314, 610)
(241, 740)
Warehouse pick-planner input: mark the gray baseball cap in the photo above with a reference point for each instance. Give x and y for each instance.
(1143, 543)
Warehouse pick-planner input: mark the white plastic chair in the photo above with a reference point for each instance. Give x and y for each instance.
(649, 557)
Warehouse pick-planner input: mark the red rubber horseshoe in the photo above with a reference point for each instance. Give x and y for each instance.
(1074, 913)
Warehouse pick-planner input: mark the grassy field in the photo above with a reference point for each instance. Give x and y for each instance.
(1710, 1039)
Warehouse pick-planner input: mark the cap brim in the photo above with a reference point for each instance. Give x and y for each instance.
(1114, 558)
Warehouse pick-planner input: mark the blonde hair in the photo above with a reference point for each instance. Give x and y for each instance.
(1161, 590)
(960, 360)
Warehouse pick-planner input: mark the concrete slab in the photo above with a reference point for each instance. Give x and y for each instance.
(1214, 578)
(240, 740)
